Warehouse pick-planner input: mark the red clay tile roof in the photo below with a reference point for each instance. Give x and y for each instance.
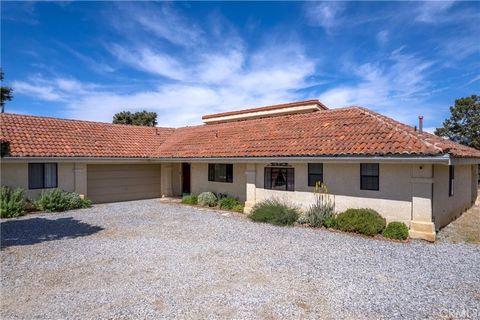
(267, 108)
(350, 131)
(31, 136)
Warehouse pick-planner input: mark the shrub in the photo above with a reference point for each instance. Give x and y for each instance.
(207, 199)
(364, 221)
(58, 200)
(396, 230)
(322, 209)
(238, 208)
(221, 195)
(12, 202)
(330, 222)
(76, 202)
(302, 218)
(190, 199)
(275, 212)
(227, 203)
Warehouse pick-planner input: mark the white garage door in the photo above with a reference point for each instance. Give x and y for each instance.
(122, 182)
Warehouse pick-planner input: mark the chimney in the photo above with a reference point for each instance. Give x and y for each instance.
(420, 124)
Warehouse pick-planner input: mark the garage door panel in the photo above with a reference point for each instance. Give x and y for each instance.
(110, 182)
(131, 173)
(126, 197)
(137, 181)
(125, 188)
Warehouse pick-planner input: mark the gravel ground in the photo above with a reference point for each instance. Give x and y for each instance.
(144, 259)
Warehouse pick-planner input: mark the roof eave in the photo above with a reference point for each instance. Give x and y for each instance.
(441, 159)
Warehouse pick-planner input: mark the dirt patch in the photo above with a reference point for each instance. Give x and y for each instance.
(465, 229)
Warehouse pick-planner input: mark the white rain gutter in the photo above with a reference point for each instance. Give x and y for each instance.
(444, 159)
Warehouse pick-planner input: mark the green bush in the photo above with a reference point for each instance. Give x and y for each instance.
(227, 203)
(364, 221)
(238, 208)
(322, 209)
(396, 230)
(12, 202)
(189, 199)
(76, 202)
(330, 222)
(57, 200)
(275, 212)
(208, 199)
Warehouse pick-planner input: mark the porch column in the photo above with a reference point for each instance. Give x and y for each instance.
(166, 180)
(80, 179)
(421, 225)
(251, 187)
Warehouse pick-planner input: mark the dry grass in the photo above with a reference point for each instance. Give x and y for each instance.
(464, 229)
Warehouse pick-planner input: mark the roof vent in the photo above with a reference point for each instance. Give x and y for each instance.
(263, 112)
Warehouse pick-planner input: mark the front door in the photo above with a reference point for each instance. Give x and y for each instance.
(185, 178)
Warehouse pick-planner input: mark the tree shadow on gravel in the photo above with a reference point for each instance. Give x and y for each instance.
(36, 230)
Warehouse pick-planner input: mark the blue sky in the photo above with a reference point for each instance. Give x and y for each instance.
(89, 60)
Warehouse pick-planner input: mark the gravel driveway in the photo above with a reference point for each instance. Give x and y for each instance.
(144, 259)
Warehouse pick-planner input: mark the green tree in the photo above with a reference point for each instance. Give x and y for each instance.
(6, 93)
(141, 118)
(463, 126)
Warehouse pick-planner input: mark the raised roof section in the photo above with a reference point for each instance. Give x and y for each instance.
(266, 112)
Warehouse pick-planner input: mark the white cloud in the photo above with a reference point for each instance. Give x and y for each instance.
(152, 62)
(162, 20)
(383, 37)
(44, 92)
(325, 14)
(218, 81)
(475, 79)
(216, 67)
(433, 11)
(387, 87)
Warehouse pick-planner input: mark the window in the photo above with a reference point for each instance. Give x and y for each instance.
(42, 175)
(451, 177)
(315, 174)
(220, 172)
(280, 179)
(369, 174)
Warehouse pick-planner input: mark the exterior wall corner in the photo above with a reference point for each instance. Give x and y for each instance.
(80, 179)
(250, 177)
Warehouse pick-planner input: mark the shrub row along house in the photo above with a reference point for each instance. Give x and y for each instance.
(367, 160)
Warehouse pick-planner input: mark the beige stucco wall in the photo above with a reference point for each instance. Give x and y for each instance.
(446, 208)
(16, 175)
(393, 200)
(475, 185)
(200, 183)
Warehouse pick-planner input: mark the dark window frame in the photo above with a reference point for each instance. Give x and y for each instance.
(289, 177)
(364, 177)
(213, 172)
(312, 174)
(451, 179)
(31, 185)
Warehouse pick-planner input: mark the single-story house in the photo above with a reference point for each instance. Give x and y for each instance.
(365, 159)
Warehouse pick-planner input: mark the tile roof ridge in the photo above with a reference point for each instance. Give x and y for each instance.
(78, 120)
(399, 127)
